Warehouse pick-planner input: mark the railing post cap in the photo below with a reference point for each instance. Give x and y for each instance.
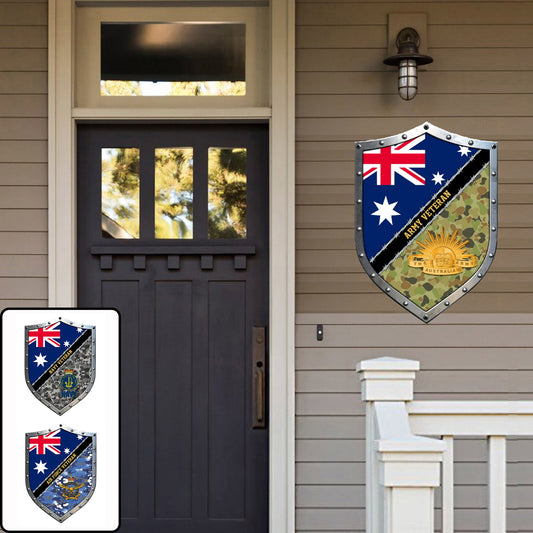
(387, 364)
(387, 379)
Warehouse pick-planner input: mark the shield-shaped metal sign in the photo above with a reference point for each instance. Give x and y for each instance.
(426, 215)
(60, 362)
(60, 470)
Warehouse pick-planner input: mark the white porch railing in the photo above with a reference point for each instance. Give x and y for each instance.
(403, 467)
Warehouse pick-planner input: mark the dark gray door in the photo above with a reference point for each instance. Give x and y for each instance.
(173, 232)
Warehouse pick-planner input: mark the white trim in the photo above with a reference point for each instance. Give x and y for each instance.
(170, 3)
(282, 268)
(62, 217)
(407, 319)
(61, 157)
(81, 113)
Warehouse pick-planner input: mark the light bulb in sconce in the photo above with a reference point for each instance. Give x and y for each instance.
(407, 60)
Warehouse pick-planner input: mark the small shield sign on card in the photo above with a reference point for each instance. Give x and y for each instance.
(60, 362)
(60, 470)
(426, 215)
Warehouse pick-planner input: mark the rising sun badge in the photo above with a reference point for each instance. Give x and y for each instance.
(442, 255)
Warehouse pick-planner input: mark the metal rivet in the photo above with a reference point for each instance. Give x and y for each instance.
(470, 143)
(491, 255)
(372, 275)
(446, 304)
(382, 143)
(465, 289)
(359, 200)
(361, 255)
(359, 228)
(493, 228)
(426, 126)
(359, 173)
(404, 136)
(406, 303)
(426, 317)
(494, 146)
(494, 173)
(358, 146)
(388, 289)
(493, 200)
(448, 136)
(480, 275)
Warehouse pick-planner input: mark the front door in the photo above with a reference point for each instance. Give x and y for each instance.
(173, 232)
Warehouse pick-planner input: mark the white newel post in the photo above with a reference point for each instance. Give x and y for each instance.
(402, 469)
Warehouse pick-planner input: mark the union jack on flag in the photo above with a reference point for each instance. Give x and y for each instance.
(43, 443)
(399, 159)
(41, 336)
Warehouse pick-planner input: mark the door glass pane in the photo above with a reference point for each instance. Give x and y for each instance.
(173, 59)
(173, 193)
(227, 193)
(120, 193)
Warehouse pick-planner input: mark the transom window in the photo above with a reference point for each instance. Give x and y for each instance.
(173, 59)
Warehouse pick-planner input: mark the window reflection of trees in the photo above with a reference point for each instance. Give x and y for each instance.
(227, 193)
(174, 193)
(172, 88)
(120, 192)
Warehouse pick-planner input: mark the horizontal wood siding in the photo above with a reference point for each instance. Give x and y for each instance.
(480, 84)
(463, 356)
(23, 154)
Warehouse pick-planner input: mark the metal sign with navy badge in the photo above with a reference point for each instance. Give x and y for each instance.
(60, 470)
(60, 362)
(426, 215)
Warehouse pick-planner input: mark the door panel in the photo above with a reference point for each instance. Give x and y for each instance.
(191, 461)
(227, 449)
(173, 453)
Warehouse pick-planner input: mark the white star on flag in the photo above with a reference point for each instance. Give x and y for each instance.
(385, 211)
(67, 450)
(464, 150)
(438, 178)
(40, 467)
(40, 359)
(66, 343)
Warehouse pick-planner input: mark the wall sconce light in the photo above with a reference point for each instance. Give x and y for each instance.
(407, 60)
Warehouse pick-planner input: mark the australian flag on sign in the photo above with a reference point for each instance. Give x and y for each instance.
(426, 215)
(60, 470)
(60, 362)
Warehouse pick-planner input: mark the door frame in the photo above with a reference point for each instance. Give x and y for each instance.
(63, 116)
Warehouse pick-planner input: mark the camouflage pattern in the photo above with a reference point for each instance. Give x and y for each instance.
(469, 210)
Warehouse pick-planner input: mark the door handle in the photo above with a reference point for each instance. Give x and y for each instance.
(259, 378)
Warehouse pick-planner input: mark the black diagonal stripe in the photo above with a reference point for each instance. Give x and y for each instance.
(67, 354)
(63, 466)
(466, 174)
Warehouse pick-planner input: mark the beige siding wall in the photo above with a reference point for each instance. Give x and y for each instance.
(23, 153)
(480, 85)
